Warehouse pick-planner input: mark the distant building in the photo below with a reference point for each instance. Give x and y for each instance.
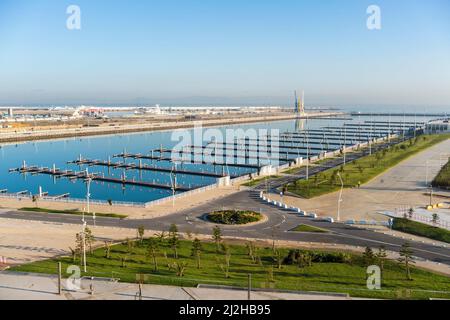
(10, 113)
(438, 126)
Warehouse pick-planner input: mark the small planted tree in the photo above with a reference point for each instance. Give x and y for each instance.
(407, 259)
(304, 259)
(141, 232)
(381, 256)
(34, 199)
(152, 252)
(79, 244)
(435, 218)
(278, 258)
(174, 240)
(217, 237)
(410, 213)
(130, 245)
(270, 277)
(161, 236)
(73, 253)
(227, 257)
(108, 249)
(179, 267)
(123, 260)
(251, 250)
(89, 239)
(196, 251)
(368, 257)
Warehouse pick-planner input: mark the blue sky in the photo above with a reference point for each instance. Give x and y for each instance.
(227, 51)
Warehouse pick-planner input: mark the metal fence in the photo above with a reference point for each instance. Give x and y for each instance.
(423, 219)
(71, 200)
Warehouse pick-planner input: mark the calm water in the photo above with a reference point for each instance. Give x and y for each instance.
(58, 152)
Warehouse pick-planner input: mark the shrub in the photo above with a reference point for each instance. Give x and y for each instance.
(234, 217)
(317, 256)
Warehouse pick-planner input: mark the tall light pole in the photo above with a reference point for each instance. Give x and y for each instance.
(307, 154)
(345, 143)
(340, 198)
(88, 195)
(173, 180)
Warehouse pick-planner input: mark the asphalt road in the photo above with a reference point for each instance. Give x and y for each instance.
(278, 226)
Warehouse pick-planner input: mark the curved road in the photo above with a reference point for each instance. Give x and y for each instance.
(278, 226)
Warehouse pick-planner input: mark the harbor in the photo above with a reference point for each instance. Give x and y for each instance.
(153, 171)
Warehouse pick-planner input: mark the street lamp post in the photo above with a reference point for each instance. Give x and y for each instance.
(345, 144)
(88, 196)
(340, 198)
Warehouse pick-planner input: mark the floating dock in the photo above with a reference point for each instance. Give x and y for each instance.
(83, 175)
(181, 160)
(140, 166)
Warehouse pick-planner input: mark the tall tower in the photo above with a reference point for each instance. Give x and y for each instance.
(300, 105)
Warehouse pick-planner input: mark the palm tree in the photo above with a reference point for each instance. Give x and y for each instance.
(34, 199)
(217, 236)
(153, 252)
(196, 251)
(406, 258)
(161, 236)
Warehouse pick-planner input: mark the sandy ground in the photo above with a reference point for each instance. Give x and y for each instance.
(26, 241)
(400, 187)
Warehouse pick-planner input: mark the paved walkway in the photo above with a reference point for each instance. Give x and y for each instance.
(21, 286)
(403, 186)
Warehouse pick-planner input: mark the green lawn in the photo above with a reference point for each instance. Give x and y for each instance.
(348, 277)
(75, 212)
(255, 182)
(364, 169)
(307, 228)
(421, 229)
(442, 180)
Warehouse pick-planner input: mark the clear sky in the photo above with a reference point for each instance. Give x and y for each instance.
(225, 51)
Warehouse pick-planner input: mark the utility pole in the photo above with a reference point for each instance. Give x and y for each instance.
(84, 246)
(88, 195)
(431, 194)
(345, 143)
(307, 156)
(59, 278)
